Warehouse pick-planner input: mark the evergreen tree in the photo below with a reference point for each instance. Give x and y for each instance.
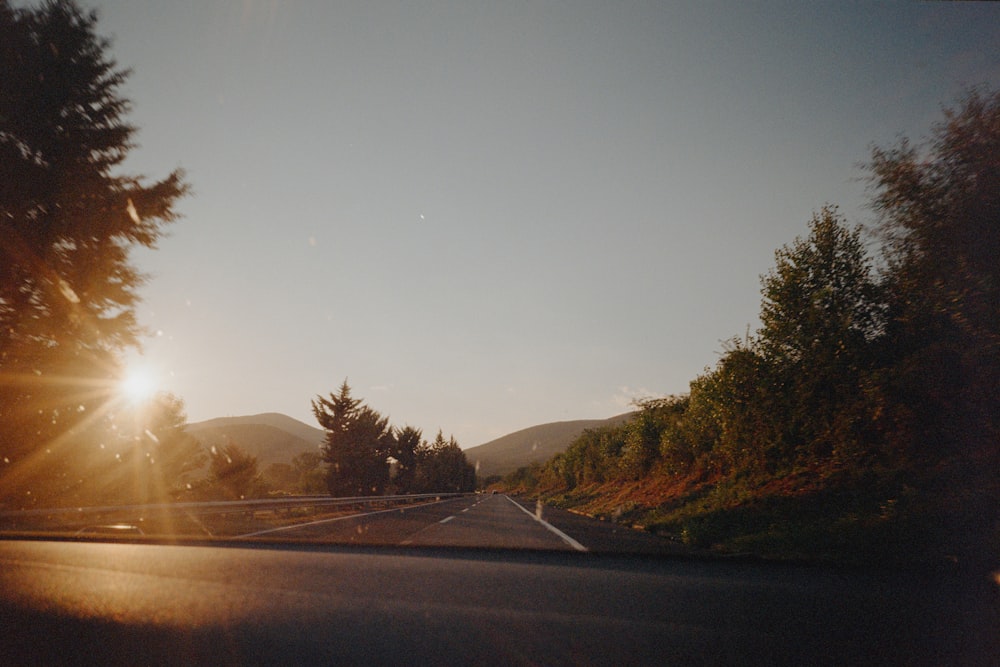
(407, 442)
(68, 219)
(442, 467)
(358, 444)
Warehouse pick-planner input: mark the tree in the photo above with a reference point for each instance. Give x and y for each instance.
(821, 310)
(820, 300)
(234, 472)
(280, 477)
(407, 442)
(442, 466)
(176, 458)
(68, 219)
(311, 478)
(146, 457)
(358, 444)
(939, 214)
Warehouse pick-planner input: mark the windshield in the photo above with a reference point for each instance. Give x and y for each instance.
(657, 277)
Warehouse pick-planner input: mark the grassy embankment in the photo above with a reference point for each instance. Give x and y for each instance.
(825, 514)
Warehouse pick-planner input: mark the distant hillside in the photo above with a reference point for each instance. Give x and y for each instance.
(271, 437)
(537, 443)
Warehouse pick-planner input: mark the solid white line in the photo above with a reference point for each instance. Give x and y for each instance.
(565, 538)
(447, 519)
(339, 518)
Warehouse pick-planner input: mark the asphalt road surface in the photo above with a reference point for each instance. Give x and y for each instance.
(483, 521)
(526, 594)
(70, 602)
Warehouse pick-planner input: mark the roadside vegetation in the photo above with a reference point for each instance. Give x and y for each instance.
(69, 218)
(366, 456)
(860, 422)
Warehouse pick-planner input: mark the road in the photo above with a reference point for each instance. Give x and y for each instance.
(483, 521)
(72, 602)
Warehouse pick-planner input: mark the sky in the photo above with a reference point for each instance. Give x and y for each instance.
(490, 215)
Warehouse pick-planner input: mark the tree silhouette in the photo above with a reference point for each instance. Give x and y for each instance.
(234, 473)
(68, 219)
(358, 444)
(821, 309)
(407, 443)
(939, 207)
(442, 466)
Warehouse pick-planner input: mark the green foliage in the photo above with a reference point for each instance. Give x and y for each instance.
(642, 441)
(280, 477)
(726, 424)
(358, 444)
(311, 478)
(863, 419)
(442, 466)
(234, 473)
(524, 479)
(141, 454)
(820, 302)
(939, 208)
(366, 456)
(176, 459)
(405, 449)
(821, 312)
(67, 222)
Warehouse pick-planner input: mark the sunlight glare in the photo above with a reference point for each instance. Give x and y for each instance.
(138, 385)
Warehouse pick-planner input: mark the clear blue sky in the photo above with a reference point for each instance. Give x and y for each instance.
(489, 215)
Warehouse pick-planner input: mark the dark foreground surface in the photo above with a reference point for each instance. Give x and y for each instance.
(67, 602)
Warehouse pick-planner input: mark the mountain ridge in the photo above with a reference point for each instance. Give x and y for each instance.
(532, 444)
(273, 437)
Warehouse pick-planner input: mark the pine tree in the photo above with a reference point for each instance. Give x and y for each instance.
(68, 219)
(358, 444)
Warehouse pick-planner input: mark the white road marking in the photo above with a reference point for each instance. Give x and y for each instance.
(565, 538)
(339, 518)
(447, 519)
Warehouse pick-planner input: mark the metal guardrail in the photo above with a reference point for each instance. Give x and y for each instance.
(223, 506)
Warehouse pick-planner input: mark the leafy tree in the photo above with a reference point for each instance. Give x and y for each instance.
(866, 408)
(642, 444)
(524, 479)
(594, 457)
(821, 310)
(939, 214)
(820, 300)
(311, 478)
(306, 462)
(280, 477)
(68, 219)
(234, 472)
(177, 459)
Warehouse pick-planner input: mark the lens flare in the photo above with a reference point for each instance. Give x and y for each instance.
(138, 385)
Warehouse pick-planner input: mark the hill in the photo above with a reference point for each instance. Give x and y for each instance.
(530, 445)
(271, 437)
(277, 438)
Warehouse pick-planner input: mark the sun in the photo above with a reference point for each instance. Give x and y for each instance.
(139, 385)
